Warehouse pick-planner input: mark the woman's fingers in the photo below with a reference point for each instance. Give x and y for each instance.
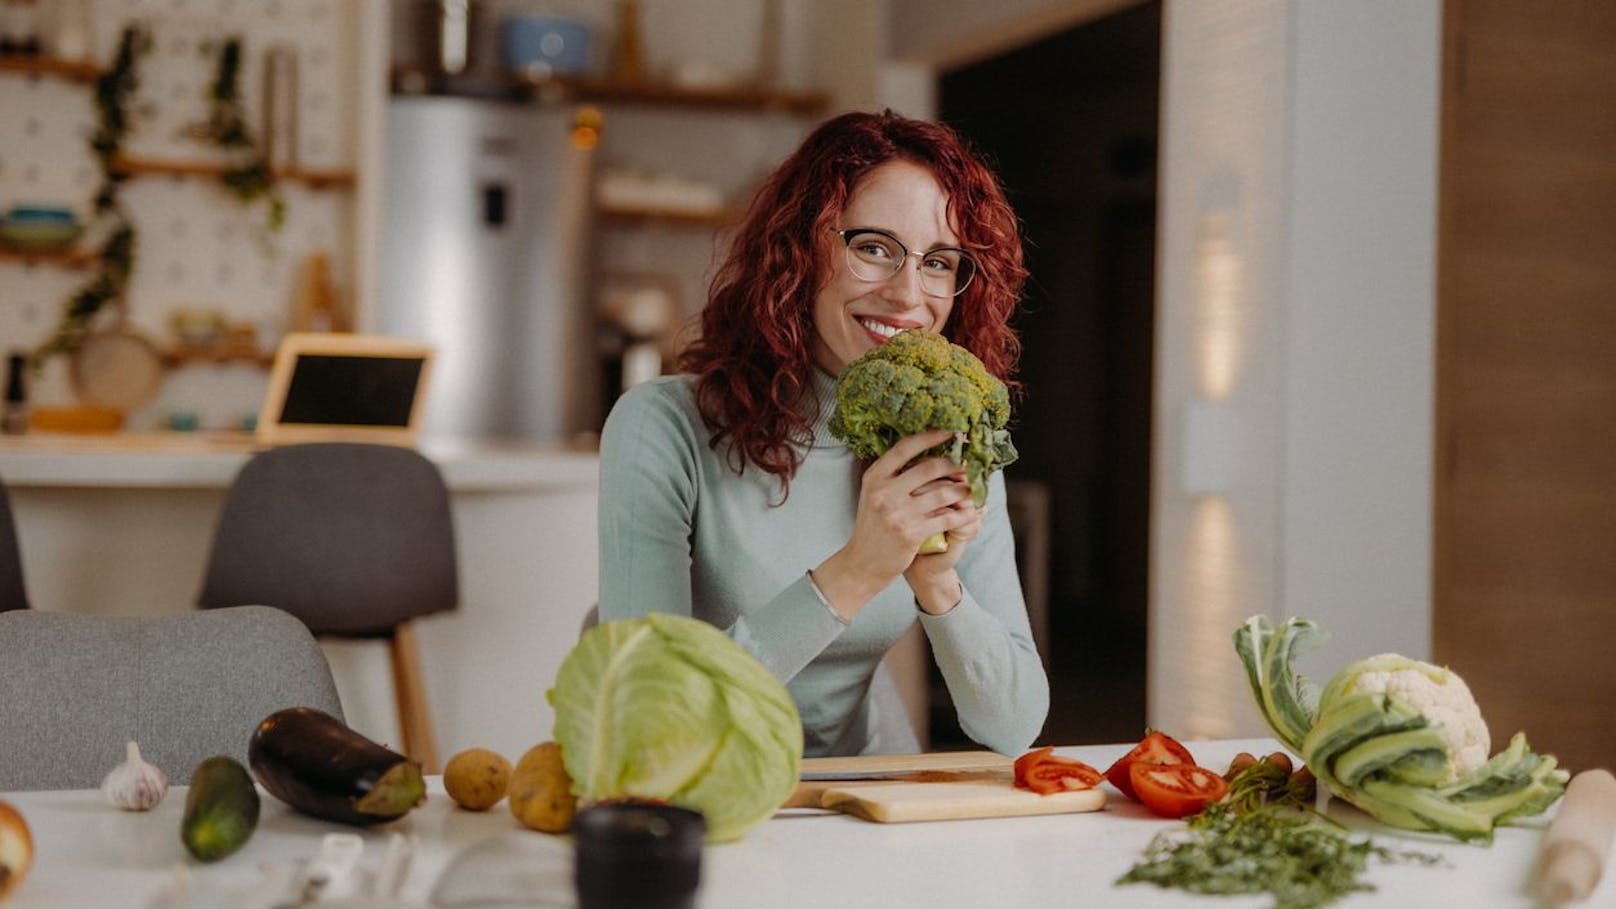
(940, 495)
(907, 449)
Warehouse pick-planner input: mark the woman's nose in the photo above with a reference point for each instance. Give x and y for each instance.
(904, 285)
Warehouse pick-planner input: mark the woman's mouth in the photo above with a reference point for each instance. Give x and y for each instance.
(880, 330)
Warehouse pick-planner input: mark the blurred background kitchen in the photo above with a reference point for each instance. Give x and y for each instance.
(1320, 318)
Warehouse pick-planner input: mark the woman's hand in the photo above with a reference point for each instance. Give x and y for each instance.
(902, 501)
(936, 586)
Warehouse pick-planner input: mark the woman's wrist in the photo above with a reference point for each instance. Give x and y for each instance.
(844, 586)
(938, 594)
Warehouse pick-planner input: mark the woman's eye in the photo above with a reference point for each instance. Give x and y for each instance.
(940, 264)
(875, 251)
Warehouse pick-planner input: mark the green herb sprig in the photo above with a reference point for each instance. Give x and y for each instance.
(1265, 838)
(1303, 862)
(248, 175)
(114, 90)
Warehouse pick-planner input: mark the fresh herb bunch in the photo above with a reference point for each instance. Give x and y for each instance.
(114, 90)
(1296, 856)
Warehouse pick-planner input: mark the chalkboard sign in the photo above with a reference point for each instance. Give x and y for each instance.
(345, 387)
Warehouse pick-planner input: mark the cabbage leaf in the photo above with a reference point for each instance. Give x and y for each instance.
(668, 707)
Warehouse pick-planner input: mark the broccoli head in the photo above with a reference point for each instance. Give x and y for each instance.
(918, 381)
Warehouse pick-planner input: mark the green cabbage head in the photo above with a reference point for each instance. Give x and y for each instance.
(1401, 739)
(668, 707)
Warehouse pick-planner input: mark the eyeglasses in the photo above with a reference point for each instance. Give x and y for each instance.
(875, 255)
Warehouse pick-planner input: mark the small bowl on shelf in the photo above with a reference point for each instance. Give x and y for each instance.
(39, 228)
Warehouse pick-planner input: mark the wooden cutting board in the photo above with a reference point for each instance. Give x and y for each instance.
(822, 774)
(900, 802)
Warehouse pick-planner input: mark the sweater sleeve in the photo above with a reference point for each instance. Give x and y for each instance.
(651, 467)
(984, 646)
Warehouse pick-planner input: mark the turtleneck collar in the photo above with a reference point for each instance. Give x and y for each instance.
(822, 387)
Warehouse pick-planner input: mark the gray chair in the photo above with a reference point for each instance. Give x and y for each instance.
(13, 595)
(356, 540)
(75, 688)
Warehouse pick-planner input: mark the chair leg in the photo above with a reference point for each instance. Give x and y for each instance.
(414, 718)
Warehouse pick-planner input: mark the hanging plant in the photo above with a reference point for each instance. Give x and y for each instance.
(248, 175)
(114, 90)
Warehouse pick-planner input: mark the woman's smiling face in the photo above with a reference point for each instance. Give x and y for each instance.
(852, 316)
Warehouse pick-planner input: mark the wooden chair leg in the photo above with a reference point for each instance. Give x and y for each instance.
(414, 718)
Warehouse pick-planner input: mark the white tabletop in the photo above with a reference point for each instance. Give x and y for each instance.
(91, 855)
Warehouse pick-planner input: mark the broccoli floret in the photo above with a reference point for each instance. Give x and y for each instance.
(918, 381)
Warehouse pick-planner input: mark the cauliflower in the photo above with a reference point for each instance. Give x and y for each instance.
(918, 381)
(1401, 739)
(1434, 691)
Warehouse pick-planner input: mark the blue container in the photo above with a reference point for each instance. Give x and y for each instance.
(39, 214)
(541, 46)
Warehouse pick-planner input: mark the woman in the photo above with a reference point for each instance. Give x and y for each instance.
(724, 496)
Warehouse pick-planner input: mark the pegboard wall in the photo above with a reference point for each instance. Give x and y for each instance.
(199, 246)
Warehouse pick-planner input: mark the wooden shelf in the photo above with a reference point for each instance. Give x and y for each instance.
(576, 89)
(71, 70)
(316, 179)
(651, 94)
(625, 216)
(181, 355)
(61, 258)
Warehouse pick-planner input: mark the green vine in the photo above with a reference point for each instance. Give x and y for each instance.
(116, 260)
(249, 177)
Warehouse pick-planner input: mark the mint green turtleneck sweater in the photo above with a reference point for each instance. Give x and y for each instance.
(682, 532)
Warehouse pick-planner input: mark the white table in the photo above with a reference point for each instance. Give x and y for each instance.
(90, 855)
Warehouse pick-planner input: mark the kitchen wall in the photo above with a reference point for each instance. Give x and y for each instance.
(1296, 313)
(199, 247)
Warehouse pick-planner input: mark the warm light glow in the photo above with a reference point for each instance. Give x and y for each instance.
(586, 124)
(1217, 322)
(1212, 597)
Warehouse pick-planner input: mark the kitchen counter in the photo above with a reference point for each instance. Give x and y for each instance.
(86, 850)
(123, 524)
(210, 460)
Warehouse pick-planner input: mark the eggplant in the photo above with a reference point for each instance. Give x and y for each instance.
(313, 762)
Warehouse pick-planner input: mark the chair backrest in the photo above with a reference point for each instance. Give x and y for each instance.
(13, 595)
(75, 688)
(351, 538)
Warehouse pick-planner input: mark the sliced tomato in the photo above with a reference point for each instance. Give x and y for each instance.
(1154, 748)
(1176, 790)
(1043, 772)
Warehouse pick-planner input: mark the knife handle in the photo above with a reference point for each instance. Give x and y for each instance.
(1578, 841)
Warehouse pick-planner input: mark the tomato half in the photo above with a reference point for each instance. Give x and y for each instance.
(1042, 772)
(1154, 748)
(1176, 790)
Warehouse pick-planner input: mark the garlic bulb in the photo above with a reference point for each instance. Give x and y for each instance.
(135, 785)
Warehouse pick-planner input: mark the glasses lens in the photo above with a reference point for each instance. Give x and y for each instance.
(945, 272)
(873, 256)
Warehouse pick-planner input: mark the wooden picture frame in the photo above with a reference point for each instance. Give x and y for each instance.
(340, 387)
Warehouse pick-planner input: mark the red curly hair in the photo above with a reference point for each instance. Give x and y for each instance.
(754, 357)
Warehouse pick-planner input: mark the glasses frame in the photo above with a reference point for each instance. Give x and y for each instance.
(848, 233)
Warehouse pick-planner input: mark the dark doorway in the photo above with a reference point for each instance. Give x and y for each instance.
(1071, 125)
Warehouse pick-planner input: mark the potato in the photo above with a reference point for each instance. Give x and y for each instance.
(541, 791)
(476, 778)
(16, 849)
